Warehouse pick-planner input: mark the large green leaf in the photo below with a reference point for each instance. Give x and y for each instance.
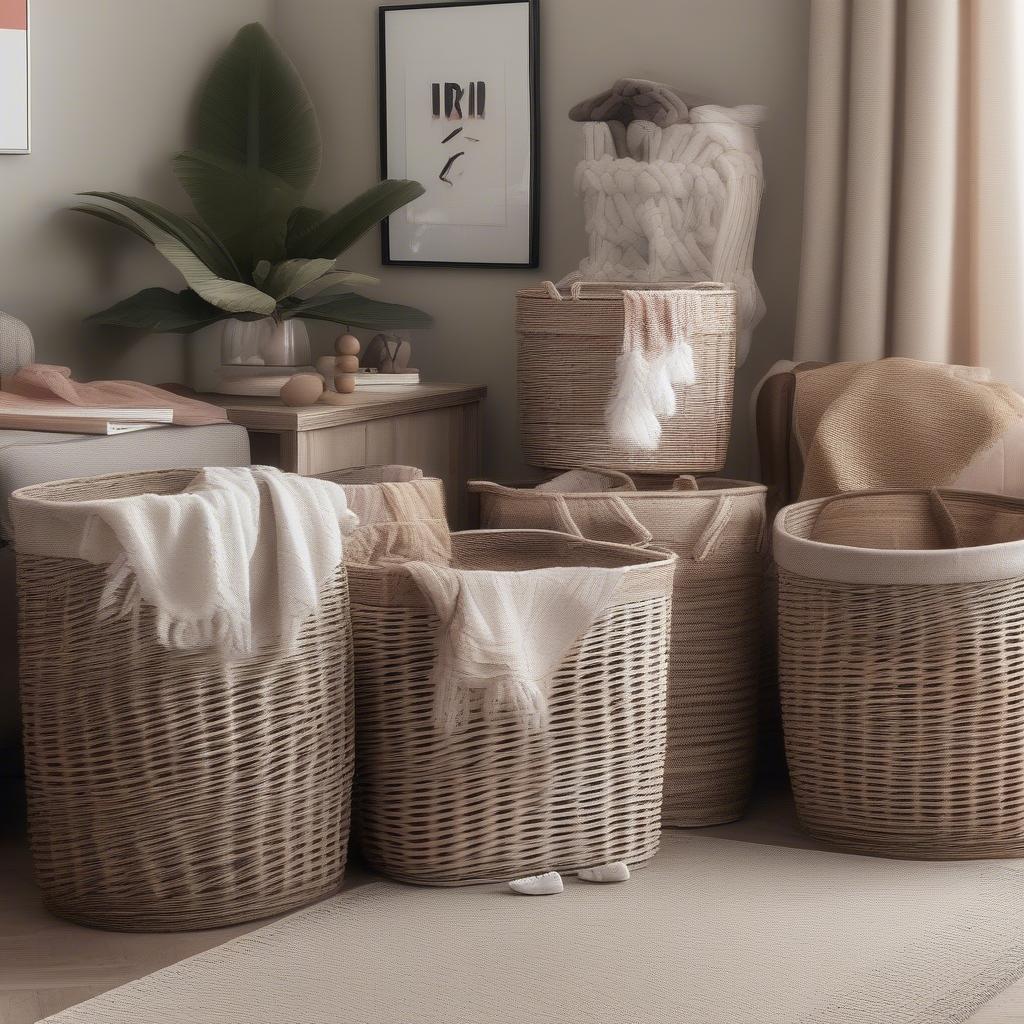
(336, 280)
(301, 221)
(255, 111)
(112, 217)
(159, 311)
(246, 207)
(332, 236)
(194, 236)
(292, 276)
(357, 311)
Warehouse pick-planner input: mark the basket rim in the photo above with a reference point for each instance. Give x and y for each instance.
(840, 563)
(640, 560)
(616, 288)
(745, 489)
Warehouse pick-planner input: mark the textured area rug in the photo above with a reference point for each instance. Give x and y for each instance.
(712, 932)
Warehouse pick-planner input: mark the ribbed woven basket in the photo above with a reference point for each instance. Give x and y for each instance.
(902, 670)
(167, 791)
(568, 347)
(717, 530)
(390, 493)
(494, 802)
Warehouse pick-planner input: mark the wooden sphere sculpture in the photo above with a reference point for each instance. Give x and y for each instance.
(346, 363)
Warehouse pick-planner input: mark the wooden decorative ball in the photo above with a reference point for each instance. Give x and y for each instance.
(302, 389)
(347, 345)
(345, 383)
(346, 364)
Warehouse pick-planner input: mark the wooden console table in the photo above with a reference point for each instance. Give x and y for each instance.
(433, 426)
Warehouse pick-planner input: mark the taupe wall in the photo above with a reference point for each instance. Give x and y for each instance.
(112, 85)
(732, 51)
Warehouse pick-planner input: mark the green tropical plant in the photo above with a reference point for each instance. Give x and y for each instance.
(252, 249)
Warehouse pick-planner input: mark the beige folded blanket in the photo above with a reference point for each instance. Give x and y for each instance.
(48, 388)
(896, 423)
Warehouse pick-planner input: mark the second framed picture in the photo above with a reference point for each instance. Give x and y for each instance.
(458, 113)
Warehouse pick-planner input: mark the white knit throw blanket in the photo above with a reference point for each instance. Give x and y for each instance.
(236, 562)
(655, 356)
(504, 634)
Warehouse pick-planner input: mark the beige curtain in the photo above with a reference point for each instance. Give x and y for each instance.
(912, 239)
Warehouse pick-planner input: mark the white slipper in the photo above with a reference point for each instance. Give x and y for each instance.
(617, 871)
(538, 885)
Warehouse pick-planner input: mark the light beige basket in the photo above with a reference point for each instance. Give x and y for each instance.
(390, 493)
(167, 791)
(717, 529)
(568, 347)
(493, 802)
(902, 670)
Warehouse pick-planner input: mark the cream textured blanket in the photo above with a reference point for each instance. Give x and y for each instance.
(236, 562)
(504, 634)
(655, 356)
(895, 423)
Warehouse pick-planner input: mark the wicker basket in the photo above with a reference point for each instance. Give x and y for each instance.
(493, 801)
(568, 349)
(716, 527)
(902, 670)
(388, 494)
(167, 791)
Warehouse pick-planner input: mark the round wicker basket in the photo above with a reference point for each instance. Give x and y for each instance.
(717, 529)
(568, 347)
(901, 670)
(494, 802)
(168, 791)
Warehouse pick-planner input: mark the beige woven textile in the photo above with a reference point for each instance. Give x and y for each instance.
(895, 423)
(712, 932)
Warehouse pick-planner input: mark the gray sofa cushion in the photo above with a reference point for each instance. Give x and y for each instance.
(34, 457)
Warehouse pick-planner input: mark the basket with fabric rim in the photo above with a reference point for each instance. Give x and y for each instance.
(166, 790)
(717, 529)
(494, 800)
(901, 670)
(568, 348)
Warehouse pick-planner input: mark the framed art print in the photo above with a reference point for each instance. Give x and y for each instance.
(458, 113)
(14, 77)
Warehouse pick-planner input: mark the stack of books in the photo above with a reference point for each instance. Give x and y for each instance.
(374, 380)
(61, 418)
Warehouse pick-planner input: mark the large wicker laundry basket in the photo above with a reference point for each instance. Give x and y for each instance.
(495, 801)
(901, 617)
(717, 530)
(166, 789)
(568, 347)
(390, 493)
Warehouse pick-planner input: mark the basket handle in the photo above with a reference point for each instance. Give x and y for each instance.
(948, 529)
(685, 482)
(609, 524)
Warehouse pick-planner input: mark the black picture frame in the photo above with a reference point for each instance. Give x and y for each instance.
(533, 36)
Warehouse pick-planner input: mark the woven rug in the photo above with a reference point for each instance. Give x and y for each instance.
(712, 932)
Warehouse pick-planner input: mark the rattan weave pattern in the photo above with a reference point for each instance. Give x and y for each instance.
(717, 532)
(168, 791)
(567, 355)
(903, 702)
(493, 802)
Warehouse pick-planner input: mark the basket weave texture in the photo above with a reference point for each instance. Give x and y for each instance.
(717, 530)
(902, 671)
(168, 791)
(493, 801)
(567, 356)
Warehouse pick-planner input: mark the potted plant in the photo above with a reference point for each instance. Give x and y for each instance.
(252, 255)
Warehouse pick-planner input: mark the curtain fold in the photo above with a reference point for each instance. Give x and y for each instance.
(913, 234)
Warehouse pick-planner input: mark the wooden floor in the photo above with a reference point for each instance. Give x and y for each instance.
(47, 964)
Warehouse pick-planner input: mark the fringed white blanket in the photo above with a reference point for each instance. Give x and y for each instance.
(656, 355)
(504, 634)
(235, 563)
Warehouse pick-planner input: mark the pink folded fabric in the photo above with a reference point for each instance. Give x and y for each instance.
(40, 384)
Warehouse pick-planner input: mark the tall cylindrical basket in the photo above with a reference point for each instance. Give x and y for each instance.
(169, 790)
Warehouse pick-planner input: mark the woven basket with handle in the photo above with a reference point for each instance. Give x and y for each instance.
(901, 670)
(568, 347)
(494, 801)
(167, 790)
(717, 529)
